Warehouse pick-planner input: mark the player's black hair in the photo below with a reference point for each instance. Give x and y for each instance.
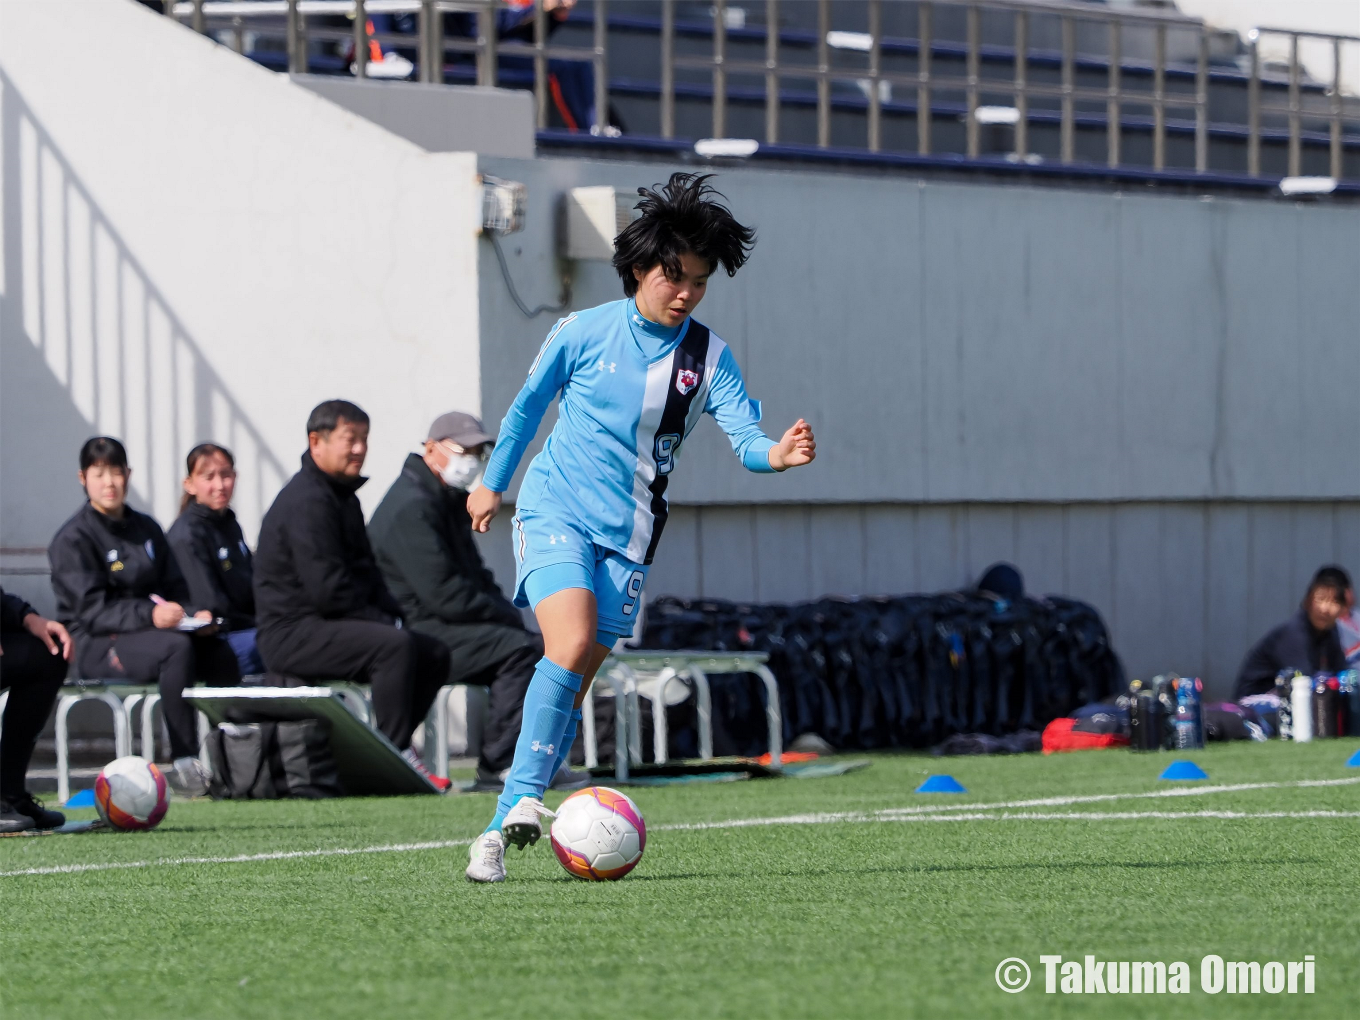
(326, 416)
(677, 217)
(1331, 577)
(104, 451)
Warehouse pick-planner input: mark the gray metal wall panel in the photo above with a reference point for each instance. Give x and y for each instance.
(1063, 354)
(1312, 535)
(1264, 434)
(990, 535)
(1065, 384)
(991, 342)
(1228, 591)
(891, 549)
(726, 555)
(1140, 592)
(1090, 556)
(1347, 531)
(1168, 348)
(1271, 589)
(939, 537)
(1181, 592)
(1040, 543)
(785, 543)
(1328, 272)
(838, 551)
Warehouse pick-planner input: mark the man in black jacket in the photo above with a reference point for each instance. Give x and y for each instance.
(321, 606)
(422, 536)
(1307, 641)
(34, 653)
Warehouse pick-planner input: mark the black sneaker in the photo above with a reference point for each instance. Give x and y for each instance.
(12, 819)
(568, 778)
(487, 781)
(27, 804)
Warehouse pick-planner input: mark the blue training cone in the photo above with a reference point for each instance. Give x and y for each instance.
(1354, 760)
(85, 798)
(1183, 770)
(941, 784)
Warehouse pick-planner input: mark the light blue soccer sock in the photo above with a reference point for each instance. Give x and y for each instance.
(568, 738)
(547, 715)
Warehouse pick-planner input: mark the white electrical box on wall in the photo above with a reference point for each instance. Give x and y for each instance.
(594, 217)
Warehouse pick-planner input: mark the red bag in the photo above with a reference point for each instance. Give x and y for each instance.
(1059, 736)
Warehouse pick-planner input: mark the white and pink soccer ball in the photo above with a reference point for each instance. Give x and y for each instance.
(599, 834)
(131, 794)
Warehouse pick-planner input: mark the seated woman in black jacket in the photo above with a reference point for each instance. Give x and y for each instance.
(122, 596)
(212, 553)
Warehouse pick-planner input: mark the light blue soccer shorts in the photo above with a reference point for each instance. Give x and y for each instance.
(553, 552)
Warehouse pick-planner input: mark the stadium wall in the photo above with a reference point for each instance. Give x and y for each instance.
(1143, 400)
(196, 248)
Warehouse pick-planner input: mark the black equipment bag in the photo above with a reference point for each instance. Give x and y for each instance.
(269, 760)
(899, 671)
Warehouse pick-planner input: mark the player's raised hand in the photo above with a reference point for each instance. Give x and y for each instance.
(482, 505)
(798, 447)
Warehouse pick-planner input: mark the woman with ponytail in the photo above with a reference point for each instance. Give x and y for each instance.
(212, 551)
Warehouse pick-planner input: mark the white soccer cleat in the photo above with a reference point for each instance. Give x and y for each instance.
(486, 858)
(522, 826)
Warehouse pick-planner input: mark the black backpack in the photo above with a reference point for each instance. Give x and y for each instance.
(270, 760)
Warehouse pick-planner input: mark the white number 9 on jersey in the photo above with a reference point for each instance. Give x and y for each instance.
(634, 590)
(664, 452)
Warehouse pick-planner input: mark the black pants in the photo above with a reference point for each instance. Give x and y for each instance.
(33, 675)
(509, 681)
(174, 661)
(404, 668)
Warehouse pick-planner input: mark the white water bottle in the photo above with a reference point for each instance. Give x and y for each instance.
(1301, 708)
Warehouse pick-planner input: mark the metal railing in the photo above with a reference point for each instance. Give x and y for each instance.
(1025, 92)
(1294, 108)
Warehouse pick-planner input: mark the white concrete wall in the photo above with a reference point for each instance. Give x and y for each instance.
(197, 249)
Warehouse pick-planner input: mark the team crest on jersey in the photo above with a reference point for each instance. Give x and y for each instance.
(685, 380)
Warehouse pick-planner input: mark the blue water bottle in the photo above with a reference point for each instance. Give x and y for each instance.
(1189, 724)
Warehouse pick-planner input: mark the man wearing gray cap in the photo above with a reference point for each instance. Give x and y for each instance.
(422, 538)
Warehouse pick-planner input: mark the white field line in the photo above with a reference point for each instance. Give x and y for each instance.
(970, 810)
(387, 848)
(997, 811)
(994, 816)
(1095, 798)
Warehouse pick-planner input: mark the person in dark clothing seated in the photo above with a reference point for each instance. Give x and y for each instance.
(122, 595)
(212, 552)
(422, 536)
(321, 606)
(34, 653)
(1307, 641)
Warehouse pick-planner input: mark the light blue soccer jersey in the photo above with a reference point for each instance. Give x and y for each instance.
(632, 390)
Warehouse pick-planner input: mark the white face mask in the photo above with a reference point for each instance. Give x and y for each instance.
(461, 470)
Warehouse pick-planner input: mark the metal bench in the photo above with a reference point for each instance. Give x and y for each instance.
(652, 675)
(74, 692)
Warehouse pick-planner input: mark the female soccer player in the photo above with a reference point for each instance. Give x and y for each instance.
(634, 377)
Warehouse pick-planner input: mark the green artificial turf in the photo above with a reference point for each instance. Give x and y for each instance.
(818, 918)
